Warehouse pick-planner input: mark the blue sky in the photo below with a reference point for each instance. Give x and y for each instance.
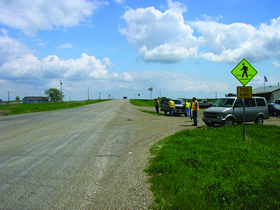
(119, 48)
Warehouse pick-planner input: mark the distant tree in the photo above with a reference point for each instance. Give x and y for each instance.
(54, 94)
(17, 98)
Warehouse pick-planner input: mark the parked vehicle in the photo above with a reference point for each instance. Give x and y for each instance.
(276, 101)
(229, 110)
(179, 106)
(205, 104)
(274, 109)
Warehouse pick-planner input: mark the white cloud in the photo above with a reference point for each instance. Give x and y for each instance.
(120, 1)
(10, 48)
(31, 16)
(276, 63)
(167, 37)
(160, 36)
(230, 43)
(107, 62)
(68, 45)
(43, 44)
(17, 62)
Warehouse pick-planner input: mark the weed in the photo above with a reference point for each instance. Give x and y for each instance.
(215, 169)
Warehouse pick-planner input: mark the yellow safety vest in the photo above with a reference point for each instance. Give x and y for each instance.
(193, 106)
(187, 105)
(171, 104)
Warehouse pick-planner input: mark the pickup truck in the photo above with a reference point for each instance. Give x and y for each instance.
(205, 104)
(179, 106)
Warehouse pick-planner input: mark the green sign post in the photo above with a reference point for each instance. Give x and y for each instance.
(244, 72)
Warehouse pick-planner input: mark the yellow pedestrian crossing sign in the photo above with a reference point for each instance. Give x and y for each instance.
(244, 72)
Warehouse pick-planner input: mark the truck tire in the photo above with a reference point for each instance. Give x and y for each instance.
(165, 112)
(259, 120)
(229, 121)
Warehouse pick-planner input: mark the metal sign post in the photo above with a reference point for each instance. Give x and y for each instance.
(243, 100)
(151, 90)
(244, 72)
(244, 92)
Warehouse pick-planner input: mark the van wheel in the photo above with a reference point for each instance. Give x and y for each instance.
(229, 121)
(259, 120)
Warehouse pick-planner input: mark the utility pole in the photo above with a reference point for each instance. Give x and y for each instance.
(88, 93)
(61, 86)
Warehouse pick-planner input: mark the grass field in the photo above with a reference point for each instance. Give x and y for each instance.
(12, 109)
(213, 168)
(143, 103)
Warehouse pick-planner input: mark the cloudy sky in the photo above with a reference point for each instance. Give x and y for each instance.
(116, 48)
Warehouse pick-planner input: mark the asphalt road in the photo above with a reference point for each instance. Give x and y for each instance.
(90, 157)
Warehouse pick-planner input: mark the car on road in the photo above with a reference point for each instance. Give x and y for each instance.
(274, 109)
(179, 106)
(229, 110)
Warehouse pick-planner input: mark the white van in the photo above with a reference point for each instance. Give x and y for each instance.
(229, 110)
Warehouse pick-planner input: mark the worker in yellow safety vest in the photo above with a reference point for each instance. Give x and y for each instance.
(171, 107)
(195, 108)
(187, 109)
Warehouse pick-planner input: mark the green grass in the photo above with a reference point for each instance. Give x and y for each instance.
(143, 103)
(213, 168)
(13, 109)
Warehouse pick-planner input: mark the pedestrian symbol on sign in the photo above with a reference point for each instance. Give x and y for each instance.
(245, 69)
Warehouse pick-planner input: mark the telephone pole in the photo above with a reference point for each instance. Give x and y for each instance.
(61, 86)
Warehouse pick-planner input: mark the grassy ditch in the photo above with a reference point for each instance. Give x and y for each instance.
(213, 168)
(13, 109)
(143, 103)
(146, 103)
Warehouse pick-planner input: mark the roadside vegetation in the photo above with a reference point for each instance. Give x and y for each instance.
(213, 168)
(13, 109)
(143, 103)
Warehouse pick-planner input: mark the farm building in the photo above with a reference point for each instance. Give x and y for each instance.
(35, 99)
(271, 93)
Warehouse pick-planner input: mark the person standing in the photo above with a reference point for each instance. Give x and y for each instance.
(188, 109)
(157, 105)
(171, 107)
(195, 108)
